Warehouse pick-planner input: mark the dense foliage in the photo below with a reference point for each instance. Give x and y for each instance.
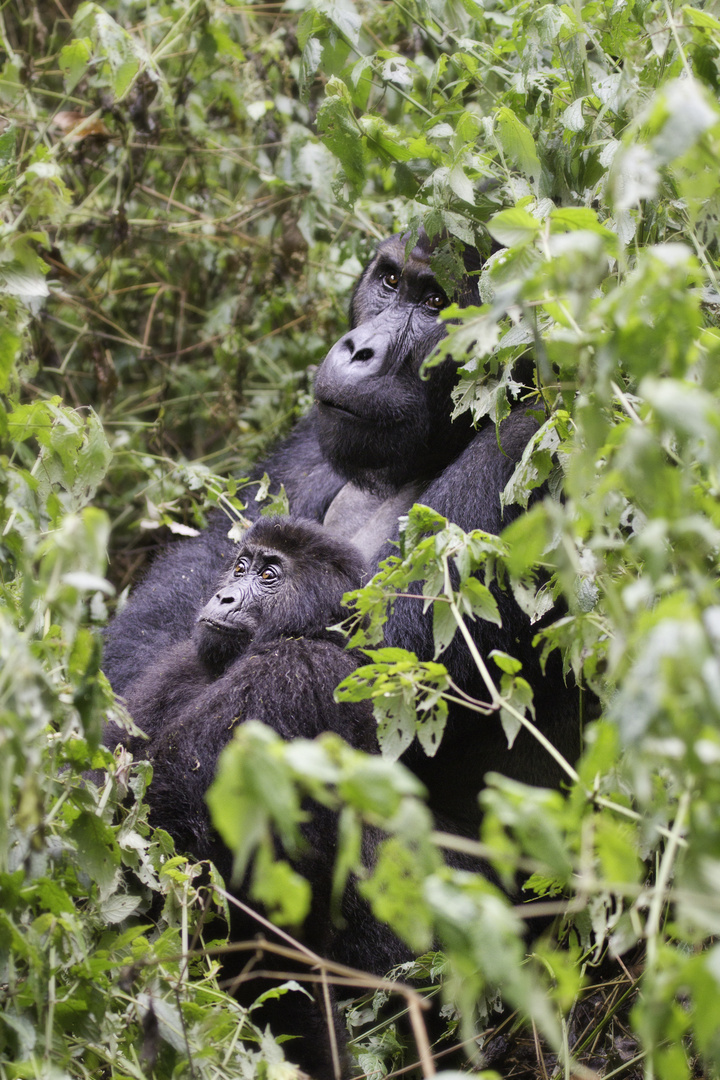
(187, 191)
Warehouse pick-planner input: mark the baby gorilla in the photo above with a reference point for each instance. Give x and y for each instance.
(261, 650)
(287, 582)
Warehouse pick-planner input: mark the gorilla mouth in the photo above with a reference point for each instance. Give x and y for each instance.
(331, 406)
(226, 627)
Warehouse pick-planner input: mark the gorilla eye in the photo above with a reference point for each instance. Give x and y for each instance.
(391, 279)
(436, 301)
(240, 567)
(269, 574)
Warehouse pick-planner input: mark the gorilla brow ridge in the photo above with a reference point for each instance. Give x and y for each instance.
(301, 540)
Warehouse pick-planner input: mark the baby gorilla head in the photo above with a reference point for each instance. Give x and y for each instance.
(287, 580)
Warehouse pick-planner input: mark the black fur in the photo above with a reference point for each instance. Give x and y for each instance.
(393, 439)
(281, 671)
(379, 438)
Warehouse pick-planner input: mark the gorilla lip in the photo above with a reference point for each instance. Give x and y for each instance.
(224, 628)
(338, 409)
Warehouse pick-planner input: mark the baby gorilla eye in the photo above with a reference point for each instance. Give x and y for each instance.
(391, 279)
(436, 301)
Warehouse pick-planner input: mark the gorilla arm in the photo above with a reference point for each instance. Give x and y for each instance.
(287, 685)
(160, 695)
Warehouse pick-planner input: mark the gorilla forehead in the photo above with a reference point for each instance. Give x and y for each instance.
(416, 272)
(416, 261)
(305, 541)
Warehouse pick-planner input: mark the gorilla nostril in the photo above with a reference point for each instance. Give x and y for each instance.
(363, 354)
(225, 599)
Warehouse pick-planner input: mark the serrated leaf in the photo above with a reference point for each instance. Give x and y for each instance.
(634, 176)
(26, 282)
(460, 184)
(430, 726)
(395, 717)
(343, 15)
(517, 693)
(284, 893)
(169, 1020)
(396, 70)
(97, 852)
(688, 113)
(24, 1031)
(8, 141)
(10, 344)
(119, 907)
(444, 626)
(514, 227)
(616, 843)
(479, 601)
(337, 125)
(277, 992)
(572, 117)
(701, 18)
(570, 218)
(517, 142)
(396, 895)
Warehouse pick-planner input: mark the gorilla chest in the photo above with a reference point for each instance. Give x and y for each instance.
(368, 519)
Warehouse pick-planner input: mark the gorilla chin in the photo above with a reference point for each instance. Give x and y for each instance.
(374, 456)
(218, 645)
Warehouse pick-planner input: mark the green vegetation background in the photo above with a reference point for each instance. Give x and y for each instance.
(187, 191)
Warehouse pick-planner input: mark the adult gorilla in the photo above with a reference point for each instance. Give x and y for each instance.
(378, 439)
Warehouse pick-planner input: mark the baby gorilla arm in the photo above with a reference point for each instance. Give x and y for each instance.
(160, 695)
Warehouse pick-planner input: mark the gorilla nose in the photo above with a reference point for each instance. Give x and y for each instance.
(362, 354)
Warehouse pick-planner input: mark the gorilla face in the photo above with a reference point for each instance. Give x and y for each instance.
(380, 424)
(248, 591)
(230, 619)
(288, 579)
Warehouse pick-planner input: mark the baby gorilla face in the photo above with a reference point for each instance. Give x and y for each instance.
(288, 580)
(244, 602)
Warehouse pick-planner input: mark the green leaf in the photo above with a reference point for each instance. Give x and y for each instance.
(617, 849)
(476, 599)
(96, 849)
(444, 626)
(572, 218)
(8, 141)
(505, 662)
(254, 792)
(281, 890)
(25, 279)
(10, 345)
(516, 142)
(514, 227)
(430, 721)
(74, 59)
(701, 18)
(395, 893)
(337, 124)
